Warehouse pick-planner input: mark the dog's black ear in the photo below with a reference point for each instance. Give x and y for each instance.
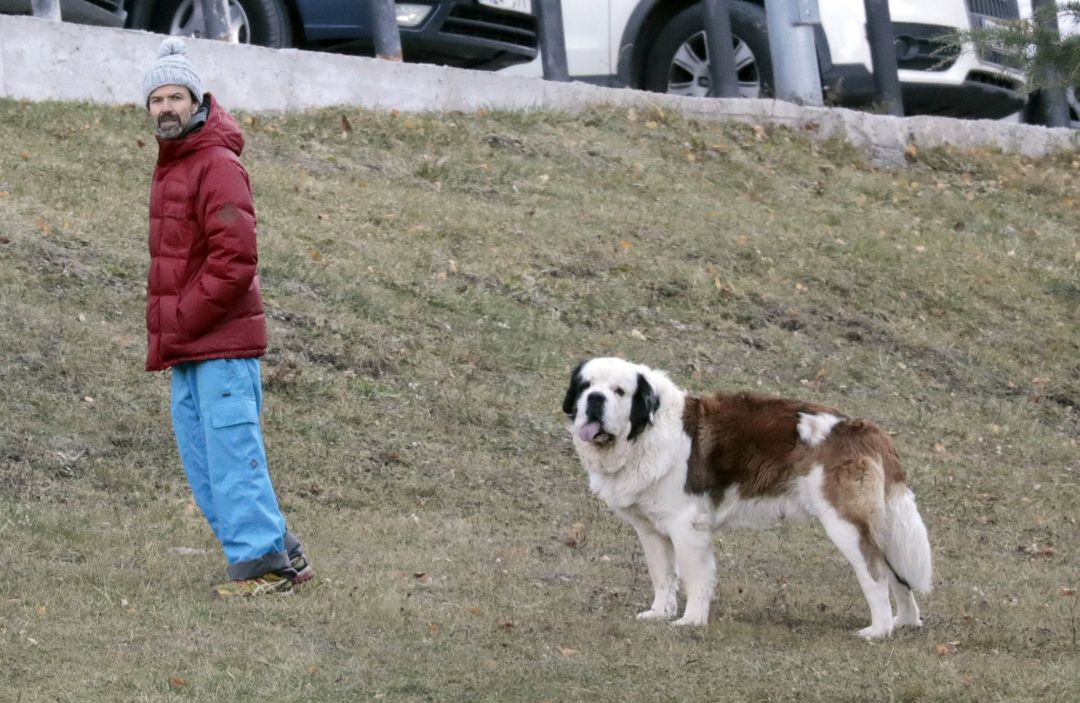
(577, 386)
(645, 403)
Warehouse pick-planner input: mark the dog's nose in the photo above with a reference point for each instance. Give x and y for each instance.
(594, 400)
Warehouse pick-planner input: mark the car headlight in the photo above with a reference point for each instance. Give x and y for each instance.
(410, 14)
(524, 6)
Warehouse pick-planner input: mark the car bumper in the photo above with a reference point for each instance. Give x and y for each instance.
(456, 34)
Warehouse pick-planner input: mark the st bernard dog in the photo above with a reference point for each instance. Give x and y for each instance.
(677, 467)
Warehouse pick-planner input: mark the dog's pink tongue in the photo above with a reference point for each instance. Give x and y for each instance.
(587, 432)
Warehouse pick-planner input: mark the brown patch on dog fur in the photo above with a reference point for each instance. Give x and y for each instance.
(753, 442)
(745, 439)
(861, 467)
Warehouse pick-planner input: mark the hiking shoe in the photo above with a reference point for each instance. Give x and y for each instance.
(258, 586)
(303, 569)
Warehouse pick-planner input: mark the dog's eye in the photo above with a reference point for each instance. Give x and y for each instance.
(620, 392)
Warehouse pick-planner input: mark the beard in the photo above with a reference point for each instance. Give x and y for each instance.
(169, 125)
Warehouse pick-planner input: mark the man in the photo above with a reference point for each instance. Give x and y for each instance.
(204, 320)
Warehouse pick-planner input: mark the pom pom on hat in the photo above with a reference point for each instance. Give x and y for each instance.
(171, 68)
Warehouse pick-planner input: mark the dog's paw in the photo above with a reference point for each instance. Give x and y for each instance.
(872, 633)
(907, 621)
(651, 614)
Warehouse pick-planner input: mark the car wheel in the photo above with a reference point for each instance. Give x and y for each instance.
(262, 22)
(678, 61)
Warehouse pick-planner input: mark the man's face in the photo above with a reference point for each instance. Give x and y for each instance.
(171, 108)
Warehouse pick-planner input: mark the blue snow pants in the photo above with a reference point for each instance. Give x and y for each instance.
(215, 415)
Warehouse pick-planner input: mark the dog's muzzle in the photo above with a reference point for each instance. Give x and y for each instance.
(593, 429)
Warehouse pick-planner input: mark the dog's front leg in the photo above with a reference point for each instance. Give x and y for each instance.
(697, 569)
(659, 558)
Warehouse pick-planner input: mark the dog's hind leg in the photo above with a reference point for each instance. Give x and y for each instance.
(907, 610)
(875, 587)
(660, 560)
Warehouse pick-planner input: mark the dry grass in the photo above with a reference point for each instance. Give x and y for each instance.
(430, 281)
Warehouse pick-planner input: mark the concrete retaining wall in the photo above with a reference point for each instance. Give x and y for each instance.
(48, 61)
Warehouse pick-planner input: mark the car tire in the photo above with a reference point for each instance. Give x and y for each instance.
(262, 22)
(683, 38)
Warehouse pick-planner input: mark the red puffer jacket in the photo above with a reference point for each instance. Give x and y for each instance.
(202, 292)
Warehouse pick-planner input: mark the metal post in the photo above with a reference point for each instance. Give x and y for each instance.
(387, 36)
(216, 20)
(724, 83)
(552, 39)
(879, 32)
(1051, 105)
(796, 76)
(46, 9)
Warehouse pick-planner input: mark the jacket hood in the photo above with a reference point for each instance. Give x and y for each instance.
(221, 129)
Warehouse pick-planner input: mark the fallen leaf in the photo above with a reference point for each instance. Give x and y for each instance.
(575, 535)
(1067, 592)
(24, 155)
(421, 576)
(567, 651)
(474, 611)
(176, 682)
(945, 648)
(506, 624)
(637, 334)
(346, 126)
(432, 628)
(625, 245)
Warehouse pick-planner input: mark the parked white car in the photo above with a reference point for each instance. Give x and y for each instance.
(659, 45)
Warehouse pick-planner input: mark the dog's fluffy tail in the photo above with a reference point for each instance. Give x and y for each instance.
(905, 542)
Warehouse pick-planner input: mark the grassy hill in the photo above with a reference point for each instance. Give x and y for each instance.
(430, 282)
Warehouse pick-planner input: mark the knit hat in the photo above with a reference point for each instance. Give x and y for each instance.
(171, 68)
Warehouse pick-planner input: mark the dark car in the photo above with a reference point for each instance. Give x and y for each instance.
(488, 34)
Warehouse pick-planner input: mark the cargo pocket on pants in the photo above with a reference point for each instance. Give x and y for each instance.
(232, 413)
(235, 426)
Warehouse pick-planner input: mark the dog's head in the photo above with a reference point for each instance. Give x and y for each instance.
(609, 400)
